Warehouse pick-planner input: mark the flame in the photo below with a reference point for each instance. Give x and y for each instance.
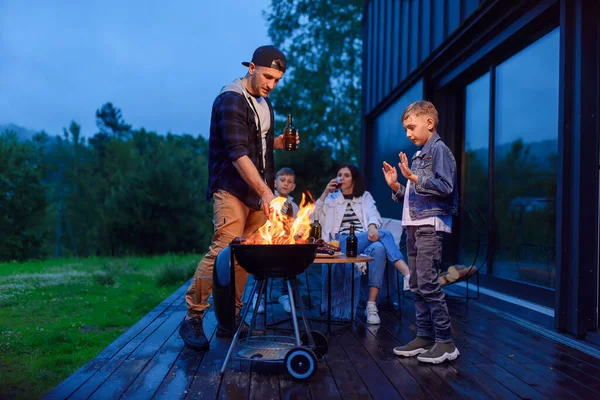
(282, 229)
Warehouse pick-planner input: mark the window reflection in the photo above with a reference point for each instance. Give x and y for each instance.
(389, 140)
(474, 207)
(525, 158)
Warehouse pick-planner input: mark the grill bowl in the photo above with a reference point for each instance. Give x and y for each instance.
(274, 260)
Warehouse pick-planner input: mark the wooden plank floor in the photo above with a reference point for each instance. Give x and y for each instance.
(500, 359)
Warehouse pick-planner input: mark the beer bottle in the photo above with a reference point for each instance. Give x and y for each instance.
(287, 209)
(351, 243)
(289, 135)
(316, 230)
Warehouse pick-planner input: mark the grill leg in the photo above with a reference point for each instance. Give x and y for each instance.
(262, 285)
(294, 318)
(237, 333)
(304, 319)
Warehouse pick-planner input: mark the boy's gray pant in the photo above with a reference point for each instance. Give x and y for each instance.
(424, 246)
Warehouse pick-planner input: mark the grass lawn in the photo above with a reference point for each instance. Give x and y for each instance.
(56, 315)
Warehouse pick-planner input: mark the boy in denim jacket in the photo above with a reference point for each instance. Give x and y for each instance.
(429, 200)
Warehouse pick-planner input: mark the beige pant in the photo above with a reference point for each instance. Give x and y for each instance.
(232, 219)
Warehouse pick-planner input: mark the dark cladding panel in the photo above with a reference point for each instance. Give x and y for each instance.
(395, 50)
(401, 34)
(405, 40)
(414, 34)
(468, 6)
(380, 63)
(425, 29)
(389, 59)
(370, 77)
(453, 11)
(438, 20)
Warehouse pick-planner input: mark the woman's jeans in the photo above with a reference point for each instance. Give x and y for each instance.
(382, 250)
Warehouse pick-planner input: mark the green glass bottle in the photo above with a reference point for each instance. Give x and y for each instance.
(351, 243)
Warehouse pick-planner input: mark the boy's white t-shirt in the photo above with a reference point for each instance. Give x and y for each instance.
(442, 223)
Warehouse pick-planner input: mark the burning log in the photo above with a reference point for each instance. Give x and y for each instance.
(300, 240)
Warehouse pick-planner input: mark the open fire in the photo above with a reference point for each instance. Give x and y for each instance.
(282, 229)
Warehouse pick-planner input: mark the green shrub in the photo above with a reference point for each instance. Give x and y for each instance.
(175, 273)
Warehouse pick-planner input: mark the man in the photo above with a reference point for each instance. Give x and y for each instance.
(241, 177)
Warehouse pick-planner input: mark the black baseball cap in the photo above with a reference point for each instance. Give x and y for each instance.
(268, 56)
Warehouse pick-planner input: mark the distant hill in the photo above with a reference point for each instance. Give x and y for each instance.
(22, 132)
(544, 152)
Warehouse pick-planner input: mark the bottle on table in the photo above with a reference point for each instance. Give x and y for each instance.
(316, 230)
(351, 243)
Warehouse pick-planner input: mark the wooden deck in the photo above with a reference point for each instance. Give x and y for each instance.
(499, 359)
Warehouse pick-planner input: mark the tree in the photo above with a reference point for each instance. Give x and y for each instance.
(159, 204)
(322, 41)
(22, 199)
(110, 121)
(75, 192)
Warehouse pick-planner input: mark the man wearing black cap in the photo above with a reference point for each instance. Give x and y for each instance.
(241, 177)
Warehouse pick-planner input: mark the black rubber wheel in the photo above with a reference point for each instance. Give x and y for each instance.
(321, 343)
(301, 363)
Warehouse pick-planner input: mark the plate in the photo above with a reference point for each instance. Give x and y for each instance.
(323, 255)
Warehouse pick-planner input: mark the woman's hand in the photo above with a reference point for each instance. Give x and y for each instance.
(373, 233)
(330, 188)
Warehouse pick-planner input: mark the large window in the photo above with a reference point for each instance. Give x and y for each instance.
(525, 172)
(524, 91)
(475, 195)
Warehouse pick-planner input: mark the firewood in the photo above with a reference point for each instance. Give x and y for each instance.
(443, 280)
(472, 270)
(452, 275)
(456, 272)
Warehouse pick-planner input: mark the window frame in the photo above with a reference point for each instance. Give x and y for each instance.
(449, 87)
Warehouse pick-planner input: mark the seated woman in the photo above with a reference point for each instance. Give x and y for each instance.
(344, 202)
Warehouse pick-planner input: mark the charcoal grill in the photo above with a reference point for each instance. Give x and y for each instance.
(299, 354)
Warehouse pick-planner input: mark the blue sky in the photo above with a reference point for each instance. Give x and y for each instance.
(162, 63)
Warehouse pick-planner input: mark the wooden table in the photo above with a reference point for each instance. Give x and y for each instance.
(341, 259)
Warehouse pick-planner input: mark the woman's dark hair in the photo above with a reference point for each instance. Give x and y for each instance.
(359, 183)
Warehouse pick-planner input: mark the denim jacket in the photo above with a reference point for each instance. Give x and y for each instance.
(435, 192)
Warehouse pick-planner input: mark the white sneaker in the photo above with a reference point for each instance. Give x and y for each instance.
(261, 306)
(285, 302)
(372, 314)
(405, 283)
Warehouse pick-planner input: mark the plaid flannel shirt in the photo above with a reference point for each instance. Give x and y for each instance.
(233, 134)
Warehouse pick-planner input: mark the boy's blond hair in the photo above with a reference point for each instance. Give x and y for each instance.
(422, 107)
